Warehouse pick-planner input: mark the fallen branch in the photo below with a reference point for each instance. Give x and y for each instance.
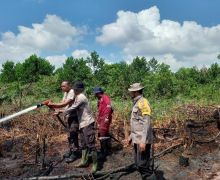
(168, 150)
(100, 174)
(129, 168)
(198, 124)
(208, 141)
(165, 129)
(164, 138)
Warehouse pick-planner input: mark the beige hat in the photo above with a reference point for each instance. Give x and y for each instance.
(136, 87)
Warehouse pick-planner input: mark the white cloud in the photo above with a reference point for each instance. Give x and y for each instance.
(145, 34)
(80, 53)
(57, 60)
(53, 35)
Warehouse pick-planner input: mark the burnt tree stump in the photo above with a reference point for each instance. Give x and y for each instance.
(183, 161)
(216, 116)
(1, 154)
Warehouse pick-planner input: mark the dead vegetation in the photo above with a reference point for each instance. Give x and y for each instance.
(37, 140)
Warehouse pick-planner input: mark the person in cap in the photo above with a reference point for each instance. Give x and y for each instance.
(104, 119)
(141, 130)
(86, 126)
(71, 118)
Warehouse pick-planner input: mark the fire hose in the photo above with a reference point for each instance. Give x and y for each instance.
(24, 111)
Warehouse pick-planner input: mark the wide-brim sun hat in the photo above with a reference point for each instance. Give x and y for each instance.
(136, 87)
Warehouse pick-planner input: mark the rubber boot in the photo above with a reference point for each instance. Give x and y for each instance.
(84, 159)
(67, 154)
(109, 146)
(102, 150)
(94, 162)
(73, 156)
(152, 177)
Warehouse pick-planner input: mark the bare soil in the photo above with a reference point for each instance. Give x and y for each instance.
(204, 161)
(22, 156)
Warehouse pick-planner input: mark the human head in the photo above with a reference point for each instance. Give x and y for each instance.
(78, 87)
(135, 90)
(98, 92)
(66, 86)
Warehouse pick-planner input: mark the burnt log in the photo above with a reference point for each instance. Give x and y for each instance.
(1, 154)
(198, 124)
(216, 116)
(100, 175)
(183, 161)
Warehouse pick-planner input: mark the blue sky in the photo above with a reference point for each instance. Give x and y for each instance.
(94, 25)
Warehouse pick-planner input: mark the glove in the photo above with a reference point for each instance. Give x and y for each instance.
(47, 102)
(106, 120)
(56, 113)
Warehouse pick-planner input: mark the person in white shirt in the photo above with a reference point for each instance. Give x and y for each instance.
(72, 120)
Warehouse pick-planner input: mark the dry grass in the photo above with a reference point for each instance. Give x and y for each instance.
(34, 127)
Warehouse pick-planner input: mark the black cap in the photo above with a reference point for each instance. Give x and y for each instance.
(78, 85)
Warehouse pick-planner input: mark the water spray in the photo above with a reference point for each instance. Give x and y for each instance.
(24, 111)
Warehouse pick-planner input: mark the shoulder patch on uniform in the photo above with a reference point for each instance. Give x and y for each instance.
(144, 107)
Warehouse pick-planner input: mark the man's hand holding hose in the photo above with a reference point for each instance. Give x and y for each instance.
(56, 112)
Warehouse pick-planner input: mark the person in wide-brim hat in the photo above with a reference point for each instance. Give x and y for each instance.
(136, 87)
(141, 130)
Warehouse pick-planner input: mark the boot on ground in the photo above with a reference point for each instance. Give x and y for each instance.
(84, 160)
(94, 162)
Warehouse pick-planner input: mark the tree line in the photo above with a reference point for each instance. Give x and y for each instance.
(160, 81)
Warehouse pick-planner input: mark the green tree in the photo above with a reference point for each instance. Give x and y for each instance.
(214, 71)
(139, 69)
(97, 66)
(95, 62)
(75, 69)
(153, 65)
(8, 72)
(32, 68)
(164, 81)
(118, 76)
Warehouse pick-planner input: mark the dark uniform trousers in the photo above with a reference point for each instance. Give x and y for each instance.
(73, 125)
(142, 160)
(87, 137)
